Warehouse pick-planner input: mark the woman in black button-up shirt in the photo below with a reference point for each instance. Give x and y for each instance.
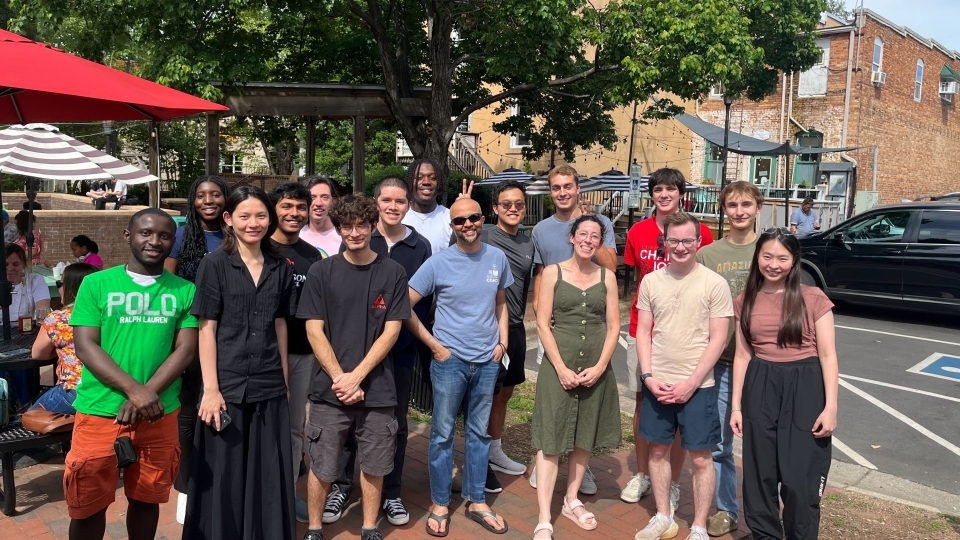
(243, 294)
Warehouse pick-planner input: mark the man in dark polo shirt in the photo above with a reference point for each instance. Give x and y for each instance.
(510, 208)
(393, 240)
(291, 201)
(354, 303)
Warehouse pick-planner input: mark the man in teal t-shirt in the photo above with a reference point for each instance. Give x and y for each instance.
(134, 332)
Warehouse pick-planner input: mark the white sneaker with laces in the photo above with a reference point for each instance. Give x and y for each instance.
(698, 533)
(637, 487)
(589, 484)
(500, 462)
(660, 527)
(396, 513)
(674, 497)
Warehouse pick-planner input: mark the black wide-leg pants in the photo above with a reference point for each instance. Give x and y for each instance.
(780, 403)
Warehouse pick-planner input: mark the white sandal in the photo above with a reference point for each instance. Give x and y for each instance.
(543, 527)
(581, 520)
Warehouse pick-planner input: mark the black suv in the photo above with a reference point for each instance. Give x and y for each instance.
(902, 255)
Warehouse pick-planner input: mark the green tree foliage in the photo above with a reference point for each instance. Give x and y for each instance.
(566, 62)
(839, 7)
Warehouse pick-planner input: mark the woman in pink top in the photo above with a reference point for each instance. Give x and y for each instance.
(86, 251)
(785, 381)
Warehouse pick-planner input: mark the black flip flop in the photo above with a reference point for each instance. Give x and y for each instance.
(479, 518)
(440, 520)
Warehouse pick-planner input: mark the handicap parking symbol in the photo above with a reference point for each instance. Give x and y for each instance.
(939, 365)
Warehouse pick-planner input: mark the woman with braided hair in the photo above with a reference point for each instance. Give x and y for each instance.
(202, 234)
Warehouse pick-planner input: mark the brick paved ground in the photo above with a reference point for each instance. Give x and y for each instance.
(42, 510)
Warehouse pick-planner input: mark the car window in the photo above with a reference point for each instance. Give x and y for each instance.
(880, 227)
(939, 227)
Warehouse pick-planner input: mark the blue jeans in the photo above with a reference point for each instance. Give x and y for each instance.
(723, 462)
(452, 380)
(57, 400)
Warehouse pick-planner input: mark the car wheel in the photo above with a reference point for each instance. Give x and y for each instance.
(807, 278)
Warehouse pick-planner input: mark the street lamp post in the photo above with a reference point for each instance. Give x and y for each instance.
(727, 102)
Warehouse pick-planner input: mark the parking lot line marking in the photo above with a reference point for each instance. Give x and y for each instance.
(898, 335)
(898, 387)
(921, 368)
(902, 417)
(854, 455)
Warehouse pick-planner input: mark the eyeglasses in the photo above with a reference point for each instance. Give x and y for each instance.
(460, 220)
(687, 242)
(361, 228)
(59, 284)
(509, 205)
(660, 254)
(781, 230)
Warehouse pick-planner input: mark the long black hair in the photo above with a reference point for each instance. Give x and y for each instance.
(85, 242)
(792, 312)
(194, 244)
(242, 193)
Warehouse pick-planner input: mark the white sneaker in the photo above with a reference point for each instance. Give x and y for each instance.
(181, 508)
(500, 462)
(660, 527)
(698, 533)
(674, 497)
(589, 484)
(533, 477)
(637, 487)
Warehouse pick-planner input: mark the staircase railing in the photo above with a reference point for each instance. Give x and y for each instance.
(463, 156)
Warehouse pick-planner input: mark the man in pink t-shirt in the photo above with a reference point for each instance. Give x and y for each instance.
(646, 252)
(320, 232)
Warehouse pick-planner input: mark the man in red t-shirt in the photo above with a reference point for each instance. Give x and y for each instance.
(645, 252)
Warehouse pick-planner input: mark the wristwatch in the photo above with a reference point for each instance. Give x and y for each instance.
(644, 377)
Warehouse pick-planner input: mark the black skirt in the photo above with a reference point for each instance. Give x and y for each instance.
(241, 478)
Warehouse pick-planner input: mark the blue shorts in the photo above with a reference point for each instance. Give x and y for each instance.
(697, 419)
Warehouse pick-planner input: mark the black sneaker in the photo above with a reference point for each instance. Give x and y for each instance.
(370, 535)
(336, 500)
(493, 483)
(396, 513)
(313, 535)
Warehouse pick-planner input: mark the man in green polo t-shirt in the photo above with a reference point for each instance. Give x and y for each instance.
(134, 332)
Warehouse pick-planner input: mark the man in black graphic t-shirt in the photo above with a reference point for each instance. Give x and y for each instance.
(291, 201)
(353, 304)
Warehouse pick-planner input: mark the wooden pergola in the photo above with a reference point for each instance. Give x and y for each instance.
(312, 101)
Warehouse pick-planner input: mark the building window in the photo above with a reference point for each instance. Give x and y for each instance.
(805, 166)
(713, 168)
(918, 87)
(762, 168)
(877, 54)
(716, 91)
(231, 163)
(813, 82)
(519, 139)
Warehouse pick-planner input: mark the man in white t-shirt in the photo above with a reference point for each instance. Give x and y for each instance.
(430, 219)
(320, 232)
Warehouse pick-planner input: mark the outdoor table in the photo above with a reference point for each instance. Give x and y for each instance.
(23, 361)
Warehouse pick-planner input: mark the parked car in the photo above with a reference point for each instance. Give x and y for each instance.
(949, 197)
(902, 255)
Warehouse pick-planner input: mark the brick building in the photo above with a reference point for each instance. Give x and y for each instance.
(878, 85)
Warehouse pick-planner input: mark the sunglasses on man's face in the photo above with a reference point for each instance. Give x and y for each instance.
(460, 220)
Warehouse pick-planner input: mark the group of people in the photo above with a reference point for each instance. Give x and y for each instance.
(283, 324)
(102, 192)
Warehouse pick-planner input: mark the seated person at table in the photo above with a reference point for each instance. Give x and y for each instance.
(57, 336)
(10, 233)
(17, 275)
(23, 226)
(86, 251)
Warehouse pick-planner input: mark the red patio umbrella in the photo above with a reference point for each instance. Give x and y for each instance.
(40, 83)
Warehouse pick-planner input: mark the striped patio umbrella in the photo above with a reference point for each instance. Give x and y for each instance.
(41, 151)
(612, 180)
(507, 174)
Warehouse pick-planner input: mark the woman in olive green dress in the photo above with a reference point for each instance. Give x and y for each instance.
(577, 407)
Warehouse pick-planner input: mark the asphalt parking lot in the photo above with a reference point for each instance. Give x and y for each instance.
(899, 393)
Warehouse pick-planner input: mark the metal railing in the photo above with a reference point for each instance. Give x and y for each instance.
(463, 156)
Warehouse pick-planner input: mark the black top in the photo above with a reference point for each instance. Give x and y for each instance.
(248, 357)
(300, 255)
(519, 251)
(354, 303)
(410, 253)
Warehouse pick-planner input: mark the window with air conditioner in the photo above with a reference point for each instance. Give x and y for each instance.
(948, 89)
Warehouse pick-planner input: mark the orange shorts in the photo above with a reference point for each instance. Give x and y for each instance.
(91, 475)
